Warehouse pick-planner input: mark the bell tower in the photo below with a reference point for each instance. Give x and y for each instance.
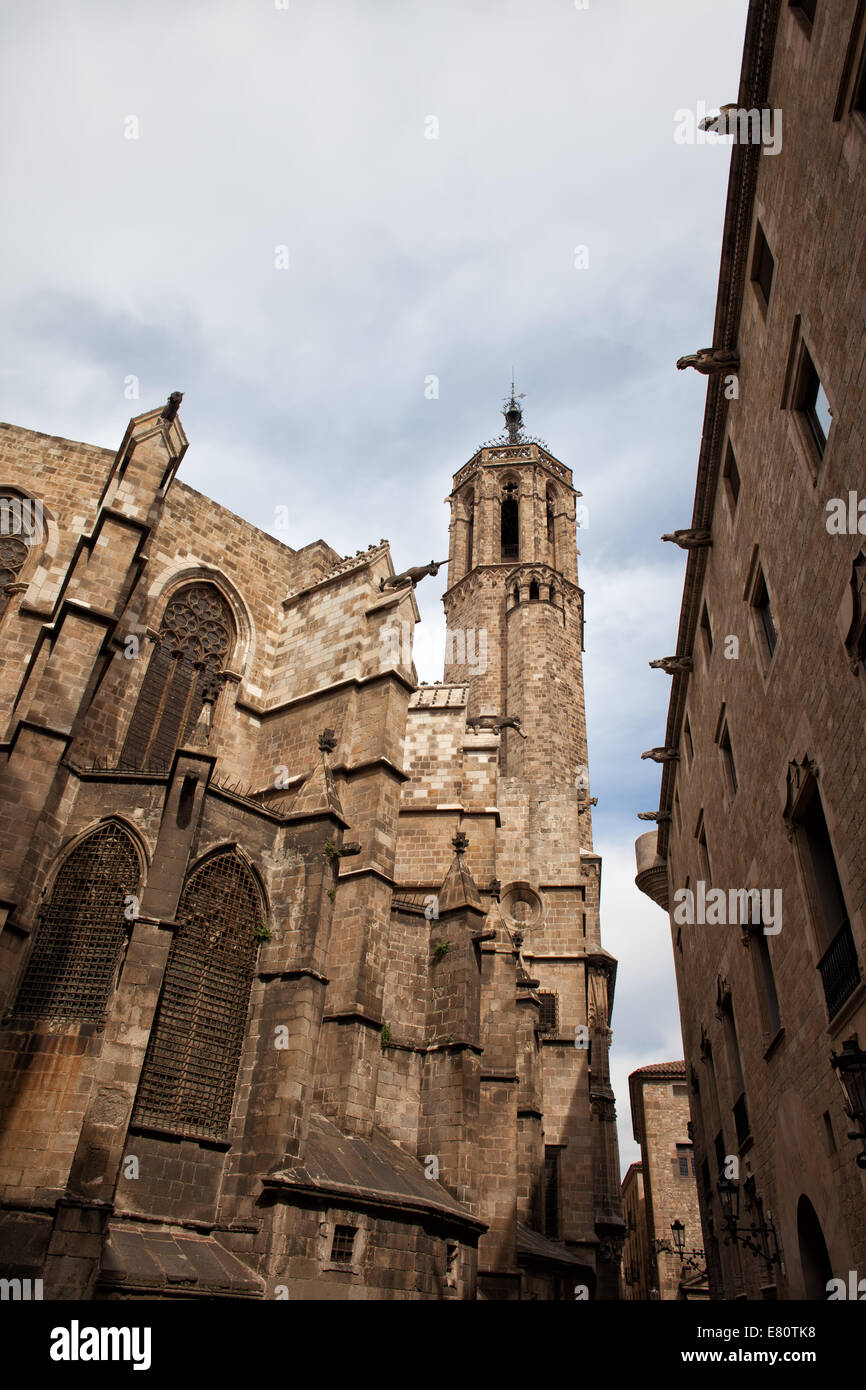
(514, 612)
(513, 607)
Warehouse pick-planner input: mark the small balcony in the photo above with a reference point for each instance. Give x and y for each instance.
(840, 970)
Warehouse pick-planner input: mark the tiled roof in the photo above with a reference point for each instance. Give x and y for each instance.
(661, 1069)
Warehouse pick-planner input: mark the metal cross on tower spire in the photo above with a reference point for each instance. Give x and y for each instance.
(513, 414)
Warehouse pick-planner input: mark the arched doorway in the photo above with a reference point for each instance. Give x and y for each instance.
(814, 1256)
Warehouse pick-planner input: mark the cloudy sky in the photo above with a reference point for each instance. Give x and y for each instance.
(163, 162)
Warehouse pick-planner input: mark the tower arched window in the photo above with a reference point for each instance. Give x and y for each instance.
(190, 1071)
(510, 524)
(20, 530)
(73, 967)
(533, 591)
(195, 638)
(470, 532)
(551, 515)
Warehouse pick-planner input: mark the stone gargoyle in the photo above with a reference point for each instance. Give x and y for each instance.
(409, 578)
(496, 723)
(661, 755)
(710, 360)
(672, 664)
(688, 538)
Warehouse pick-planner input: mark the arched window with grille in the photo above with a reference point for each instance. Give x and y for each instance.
(195, 638)
(188, 1080)
(73, 966)
(20, 531)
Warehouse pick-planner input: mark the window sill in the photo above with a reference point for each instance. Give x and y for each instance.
(181, 1135)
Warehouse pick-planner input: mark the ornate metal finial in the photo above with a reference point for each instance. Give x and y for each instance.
(460, 842)
(513, 414)
(327, 741)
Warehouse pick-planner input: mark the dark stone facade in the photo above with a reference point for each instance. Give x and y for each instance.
(267, 1031)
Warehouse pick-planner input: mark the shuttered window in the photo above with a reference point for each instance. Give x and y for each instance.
(195, 638)
(81, 933)
(190, 1070)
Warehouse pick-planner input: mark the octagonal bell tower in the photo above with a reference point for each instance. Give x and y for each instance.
(513, 607)
(514, 612)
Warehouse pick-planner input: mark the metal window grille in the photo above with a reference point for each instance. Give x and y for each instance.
(194, 639)
(80, 939)
(685, 1160)
(190, 1070)
(343, 1244)
(547, 1017)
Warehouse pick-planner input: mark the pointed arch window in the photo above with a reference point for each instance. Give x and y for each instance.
(510, 524)
(73, 967)
(195, 638)
(533, 591)
(470, 532)
(20, 530)
(551, 515)
(190, 1071)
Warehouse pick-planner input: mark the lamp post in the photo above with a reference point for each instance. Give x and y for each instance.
(850, 1067)
(760, 1235)
(679, 1234)
(729, 1196)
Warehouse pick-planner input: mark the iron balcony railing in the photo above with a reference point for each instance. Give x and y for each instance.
(840, 970)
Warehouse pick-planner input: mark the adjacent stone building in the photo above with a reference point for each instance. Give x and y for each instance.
(764, 758)
(635, 1262)
(663, 1253)
(300, 961)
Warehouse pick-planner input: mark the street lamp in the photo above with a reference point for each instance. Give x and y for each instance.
(729, 1196)
(679, 1234)
(850, 1067)
(760, 1235)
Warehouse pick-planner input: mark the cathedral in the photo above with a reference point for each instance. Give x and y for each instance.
(302, 985)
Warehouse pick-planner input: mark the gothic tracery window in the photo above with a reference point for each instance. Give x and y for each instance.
(190, 1070)
(73, 966)
(195, 637)
(19, 530)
